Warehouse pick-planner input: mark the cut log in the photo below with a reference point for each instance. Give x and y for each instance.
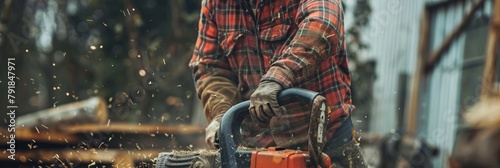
(135, 129)
(119, 158)
(90, 111)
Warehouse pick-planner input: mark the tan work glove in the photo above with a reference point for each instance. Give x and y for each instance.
(211, 131)
(264, 103)
(217, 95)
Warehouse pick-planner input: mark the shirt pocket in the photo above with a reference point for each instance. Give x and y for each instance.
(274, 39)
(229, 42)
(274, 33)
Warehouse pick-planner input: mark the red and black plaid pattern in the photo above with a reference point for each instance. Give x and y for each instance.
(297, 43)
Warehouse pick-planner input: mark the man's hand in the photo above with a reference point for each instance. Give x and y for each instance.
(264, 103)
(211, 130)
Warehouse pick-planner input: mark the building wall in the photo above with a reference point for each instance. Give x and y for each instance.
(437, 119)
(393, 40)
(440, 105)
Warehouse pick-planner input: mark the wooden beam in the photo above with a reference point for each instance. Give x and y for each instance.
(92, 111)
(124, 160)
(411, 117)
(4, 15)
(437, 54)
(496, 16)
(121, 158)
(134, 128)
(40, 135)
(488, 82)
(439, 4)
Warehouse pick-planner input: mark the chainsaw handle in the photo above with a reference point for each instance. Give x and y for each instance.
(229, 132)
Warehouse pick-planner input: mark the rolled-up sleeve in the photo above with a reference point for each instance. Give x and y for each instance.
(210, 66)
(316, 39)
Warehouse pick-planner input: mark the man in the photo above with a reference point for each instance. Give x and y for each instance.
(253, 49)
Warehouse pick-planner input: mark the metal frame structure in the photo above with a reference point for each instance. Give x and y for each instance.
(427, 60)
(489, 88)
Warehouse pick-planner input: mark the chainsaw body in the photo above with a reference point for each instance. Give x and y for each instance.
(230, 156)
(259, 158)
(282, 158)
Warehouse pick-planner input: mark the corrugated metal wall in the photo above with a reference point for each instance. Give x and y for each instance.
(393, 41)
(439, 104)
(394, 44)
(438, 116)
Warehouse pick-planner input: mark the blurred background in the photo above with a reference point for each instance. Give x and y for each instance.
(107, 82)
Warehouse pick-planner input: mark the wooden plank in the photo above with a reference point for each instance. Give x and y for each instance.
(92, 110)
(437, 54)
(41, 135)
(496, 15)
(488, 88)
(370, 138)
(4, 15)
(411, 117)
(134, 128)
(122, 158)
(439, 4)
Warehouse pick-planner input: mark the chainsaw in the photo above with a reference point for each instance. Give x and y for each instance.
(230, 155)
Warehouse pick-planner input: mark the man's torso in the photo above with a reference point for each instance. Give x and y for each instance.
(252, 38)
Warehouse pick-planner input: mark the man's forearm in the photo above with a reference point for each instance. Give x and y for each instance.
(215, 82)
(217, 95)
(319, 35)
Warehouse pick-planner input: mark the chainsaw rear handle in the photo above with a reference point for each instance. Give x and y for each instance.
(229, 132)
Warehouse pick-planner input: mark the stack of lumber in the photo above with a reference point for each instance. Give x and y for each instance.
(81, 135)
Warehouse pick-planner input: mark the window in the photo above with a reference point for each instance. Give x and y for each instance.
(473, 63)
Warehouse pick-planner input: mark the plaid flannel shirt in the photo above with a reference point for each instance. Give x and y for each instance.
(296, 43)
